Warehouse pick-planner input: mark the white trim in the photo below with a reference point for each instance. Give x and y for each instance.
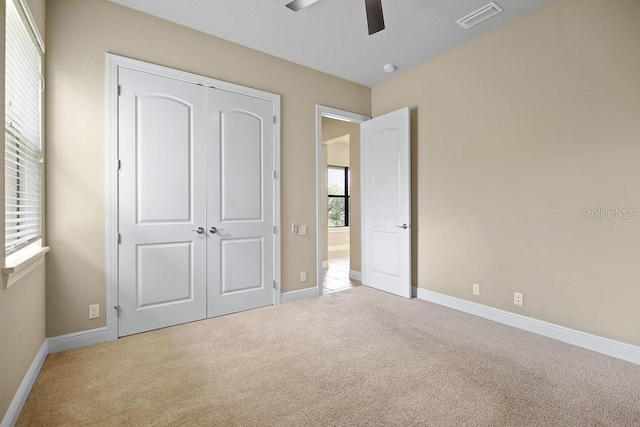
(19, 399)
(114, 63)
(111, 312)
(22, 263)
(355, 275)
(298, 295)
(32, 23)
(606, 346)
(362, 218)
(337, 248)
(277, 221)
(346, 116)
(77, 340)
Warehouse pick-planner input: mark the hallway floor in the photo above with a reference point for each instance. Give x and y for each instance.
(336, 276)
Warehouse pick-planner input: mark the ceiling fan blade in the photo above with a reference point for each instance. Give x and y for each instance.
(297, 5)
(374, 16)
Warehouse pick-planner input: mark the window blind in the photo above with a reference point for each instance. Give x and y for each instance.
(23, 158)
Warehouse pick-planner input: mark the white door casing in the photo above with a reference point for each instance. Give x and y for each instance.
(163, 124)
(386, 194)
(240, 202)
(162, 260)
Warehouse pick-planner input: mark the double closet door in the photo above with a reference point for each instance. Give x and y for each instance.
(195, 202)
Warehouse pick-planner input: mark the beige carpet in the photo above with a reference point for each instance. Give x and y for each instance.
(351, 358)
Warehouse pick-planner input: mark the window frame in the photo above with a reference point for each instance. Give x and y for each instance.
(28, 256)
(346, 196)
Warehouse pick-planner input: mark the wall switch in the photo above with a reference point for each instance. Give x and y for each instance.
(94, 311)
(303, 276)
(302, 230)
(517, 298)
(294, 228)
(476, 289)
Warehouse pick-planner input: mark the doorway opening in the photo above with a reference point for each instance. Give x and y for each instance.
(339, 199)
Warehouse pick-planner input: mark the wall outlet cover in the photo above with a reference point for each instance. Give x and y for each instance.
(518, 298)
(94, 311)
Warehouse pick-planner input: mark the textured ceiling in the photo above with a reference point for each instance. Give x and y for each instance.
(331, 35)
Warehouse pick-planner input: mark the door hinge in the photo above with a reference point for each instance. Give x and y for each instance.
(119, 164)
(275, 286)
(275, 120)
(119, 90)
(275, 230)
(119, 238)
(275, 175)
(117, 309)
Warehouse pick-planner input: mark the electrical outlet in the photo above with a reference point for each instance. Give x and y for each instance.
(518, 298)
(476, 289)
(302, 230)
(303, 276)
(94, 311)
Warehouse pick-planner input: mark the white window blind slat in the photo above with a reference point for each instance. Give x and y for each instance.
(23, 151)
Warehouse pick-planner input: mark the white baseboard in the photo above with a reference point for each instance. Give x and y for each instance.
(336, 248)
(77, 340)
(325, 264)
(11, 416)
(617, 349)
(299, 294)
(355, 275)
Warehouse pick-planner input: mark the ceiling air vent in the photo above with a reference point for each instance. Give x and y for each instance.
(479, 15)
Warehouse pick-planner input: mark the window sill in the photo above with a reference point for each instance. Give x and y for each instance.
(338, 229)
(22, 263)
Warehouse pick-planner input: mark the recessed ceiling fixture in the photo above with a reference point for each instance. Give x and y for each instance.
(479, 15)
(389, 68)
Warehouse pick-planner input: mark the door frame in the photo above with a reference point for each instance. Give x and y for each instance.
(114, 63)
(345, 116)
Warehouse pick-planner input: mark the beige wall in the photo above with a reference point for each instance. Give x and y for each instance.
(22, 331)
(338, 154)
(338, 238)
(38, 11)
(79, 34)
(514, 134)
(332, 129)
(22, 306)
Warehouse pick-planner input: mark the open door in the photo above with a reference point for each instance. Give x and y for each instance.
(386, 203)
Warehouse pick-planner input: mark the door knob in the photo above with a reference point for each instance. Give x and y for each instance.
(200, 230)
(214, 230)
(403, 226)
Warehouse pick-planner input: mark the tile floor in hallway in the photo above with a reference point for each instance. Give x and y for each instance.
(336, 276)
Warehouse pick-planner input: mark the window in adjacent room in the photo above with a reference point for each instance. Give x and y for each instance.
(338, 190)
(23, 140)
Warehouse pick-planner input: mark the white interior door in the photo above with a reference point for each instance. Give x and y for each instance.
(240, 208)
(162, 187)
(386, 189)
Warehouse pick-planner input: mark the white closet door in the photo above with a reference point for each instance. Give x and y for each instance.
(162, 180)
(240, 202)
(386, 187)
